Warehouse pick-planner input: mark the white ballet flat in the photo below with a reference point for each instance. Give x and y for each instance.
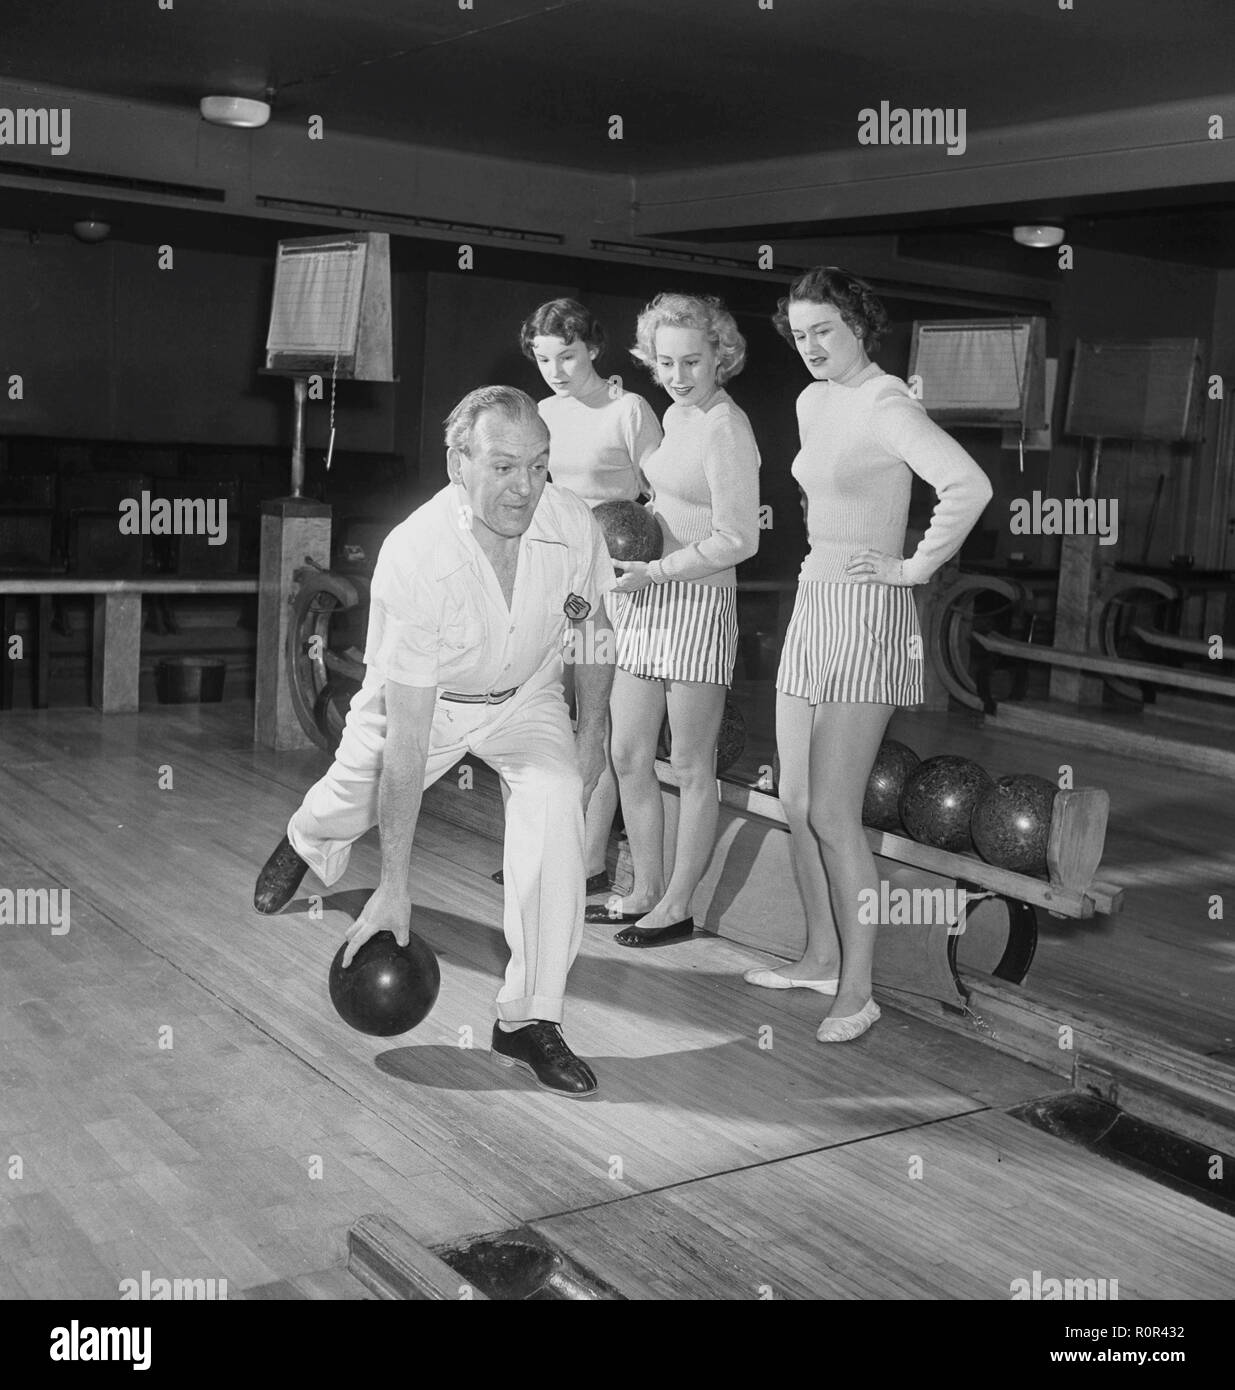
(851, 1026)
(769, 979)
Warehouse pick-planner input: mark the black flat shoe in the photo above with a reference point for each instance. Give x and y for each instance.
(279, 879)
(598, 883)
(599, 915)
(540, 1050)
(657, 936)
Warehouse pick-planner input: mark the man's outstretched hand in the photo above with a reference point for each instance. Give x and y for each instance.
(385, 911)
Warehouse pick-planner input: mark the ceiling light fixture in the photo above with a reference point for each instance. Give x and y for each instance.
(91, 229)
(1042, 237)
(245, 113)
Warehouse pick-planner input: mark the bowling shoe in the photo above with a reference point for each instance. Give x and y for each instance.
(851, 1026)
(541, 1050)
(279, 879)
(657, 936)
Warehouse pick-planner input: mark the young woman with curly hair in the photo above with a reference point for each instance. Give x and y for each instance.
(853, 650)
(677, 634)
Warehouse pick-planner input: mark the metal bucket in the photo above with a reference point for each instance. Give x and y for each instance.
(190, 680)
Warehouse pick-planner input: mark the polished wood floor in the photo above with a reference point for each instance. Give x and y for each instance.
(184, 1101)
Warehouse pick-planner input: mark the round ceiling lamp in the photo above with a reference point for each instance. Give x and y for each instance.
(91, 229)
(245, 113)
(1042, 237)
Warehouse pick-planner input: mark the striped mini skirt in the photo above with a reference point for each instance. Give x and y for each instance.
(679, 631)
(857, 643)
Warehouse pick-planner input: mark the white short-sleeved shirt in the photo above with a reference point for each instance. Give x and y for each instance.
(437, 615)
(597, 444)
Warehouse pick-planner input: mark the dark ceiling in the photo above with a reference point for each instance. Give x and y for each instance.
(695, 81)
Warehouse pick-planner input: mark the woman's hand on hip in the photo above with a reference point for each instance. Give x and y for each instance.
(874, 567)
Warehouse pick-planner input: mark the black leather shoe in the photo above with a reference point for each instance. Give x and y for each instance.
(540, 1049)
(657, 936)
(599, 914)
(278, 881)
(598, 883)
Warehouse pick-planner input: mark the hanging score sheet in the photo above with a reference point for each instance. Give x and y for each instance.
(316, 299)
(979, 366)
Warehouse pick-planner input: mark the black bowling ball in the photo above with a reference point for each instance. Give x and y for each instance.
(938, 800)
(881, 804)
(1011, 823)
(388, 988)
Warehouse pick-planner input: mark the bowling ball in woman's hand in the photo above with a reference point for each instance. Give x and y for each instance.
(631, 531)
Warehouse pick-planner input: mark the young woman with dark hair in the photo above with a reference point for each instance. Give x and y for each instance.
(853, 650)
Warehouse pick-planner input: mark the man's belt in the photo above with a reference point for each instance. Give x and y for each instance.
(496, 697)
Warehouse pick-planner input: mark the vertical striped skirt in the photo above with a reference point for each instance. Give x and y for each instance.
(679, 631)
(855, 643)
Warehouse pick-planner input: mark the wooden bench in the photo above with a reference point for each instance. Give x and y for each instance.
(747, 893)
(116, 658)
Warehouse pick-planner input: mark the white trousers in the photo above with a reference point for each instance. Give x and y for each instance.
(529, 743)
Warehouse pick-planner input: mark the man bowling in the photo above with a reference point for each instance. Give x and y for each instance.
(471, 598)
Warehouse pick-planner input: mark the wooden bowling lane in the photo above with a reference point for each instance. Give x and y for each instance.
(220, 1156)
(995, 1202)
(191, 1161)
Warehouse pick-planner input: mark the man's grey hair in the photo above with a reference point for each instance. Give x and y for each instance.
(507, 401)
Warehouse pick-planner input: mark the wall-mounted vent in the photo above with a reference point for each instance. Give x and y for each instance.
(667, 256)
(105, 184)
(335, 213)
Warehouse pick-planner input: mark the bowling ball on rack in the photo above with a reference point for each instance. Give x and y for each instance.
(631, 531)
(730, 741)
(388, 988)
(1011, 823)
(938, 800)
(881, 804)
